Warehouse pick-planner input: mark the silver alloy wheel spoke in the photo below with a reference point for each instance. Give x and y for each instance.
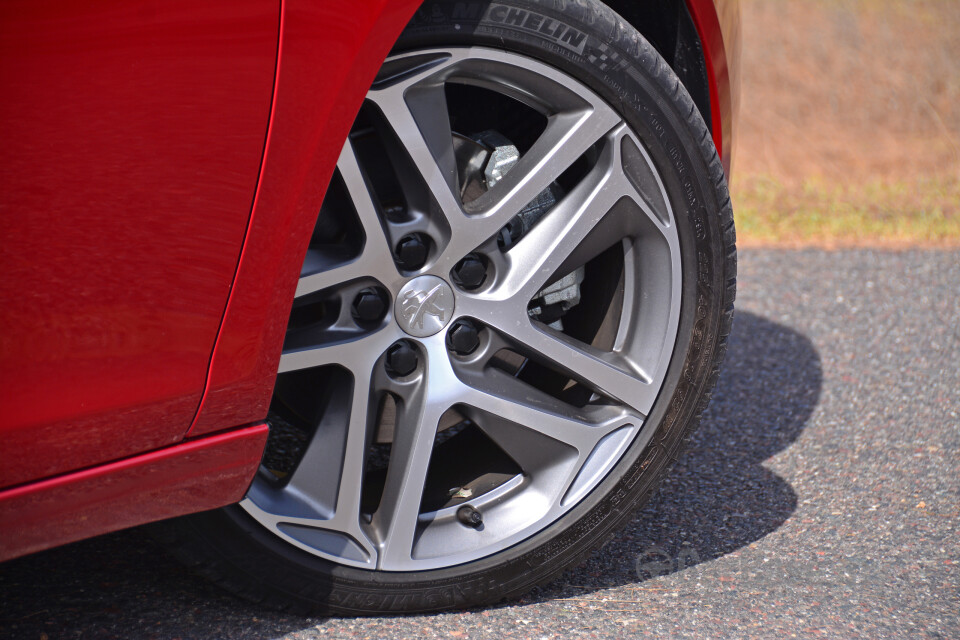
(326, 468)
(427, 140)
(566, 138)
(578, 435)
(375, 259)
(551, 468)
(314, 468)
(562, 450)
(542, 251)
(419, 409)
(611, 373)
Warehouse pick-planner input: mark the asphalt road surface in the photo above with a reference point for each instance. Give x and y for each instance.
(820, 497)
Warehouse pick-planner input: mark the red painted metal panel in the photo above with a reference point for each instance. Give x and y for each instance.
(133, 133)
(185, 478)
(718, 25)
(329, 54)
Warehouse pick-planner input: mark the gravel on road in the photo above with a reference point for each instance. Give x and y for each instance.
(820, 497)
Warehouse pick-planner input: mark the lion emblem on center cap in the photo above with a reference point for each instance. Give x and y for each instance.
(424, 306)
(417, 304)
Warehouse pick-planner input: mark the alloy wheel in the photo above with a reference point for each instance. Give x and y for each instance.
(484, 318)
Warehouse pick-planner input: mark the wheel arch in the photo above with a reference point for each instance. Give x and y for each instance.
(699, 39)
(669, 27)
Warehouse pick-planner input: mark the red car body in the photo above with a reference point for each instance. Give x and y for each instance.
(164, 166)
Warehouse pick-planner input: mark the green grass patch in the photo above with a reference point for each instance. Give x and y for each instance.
(924, 212)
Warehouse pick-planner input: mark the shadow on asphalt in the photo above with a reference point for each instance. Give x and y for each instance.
(718, 499)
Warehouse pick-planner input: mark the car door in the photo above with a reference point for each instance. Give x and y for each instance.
(133, 133)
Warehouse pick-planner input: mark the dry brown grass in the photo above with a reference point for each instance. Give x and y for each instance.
(850, 123)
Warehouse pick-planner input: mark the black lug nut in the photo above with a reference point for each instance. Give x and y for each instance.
(463, 337)
(469, 272)
(401, 359)
(412, 251)
(370, 305)
(470, 516)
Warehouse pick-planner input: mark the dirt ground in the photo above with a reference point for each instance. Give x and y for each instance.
(849, 123)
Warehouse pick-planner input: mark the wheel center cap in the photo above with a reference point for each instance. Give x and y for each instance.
(424, 306)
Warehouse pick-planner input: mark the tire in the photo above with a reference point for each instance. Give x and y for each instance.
(679, 199)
